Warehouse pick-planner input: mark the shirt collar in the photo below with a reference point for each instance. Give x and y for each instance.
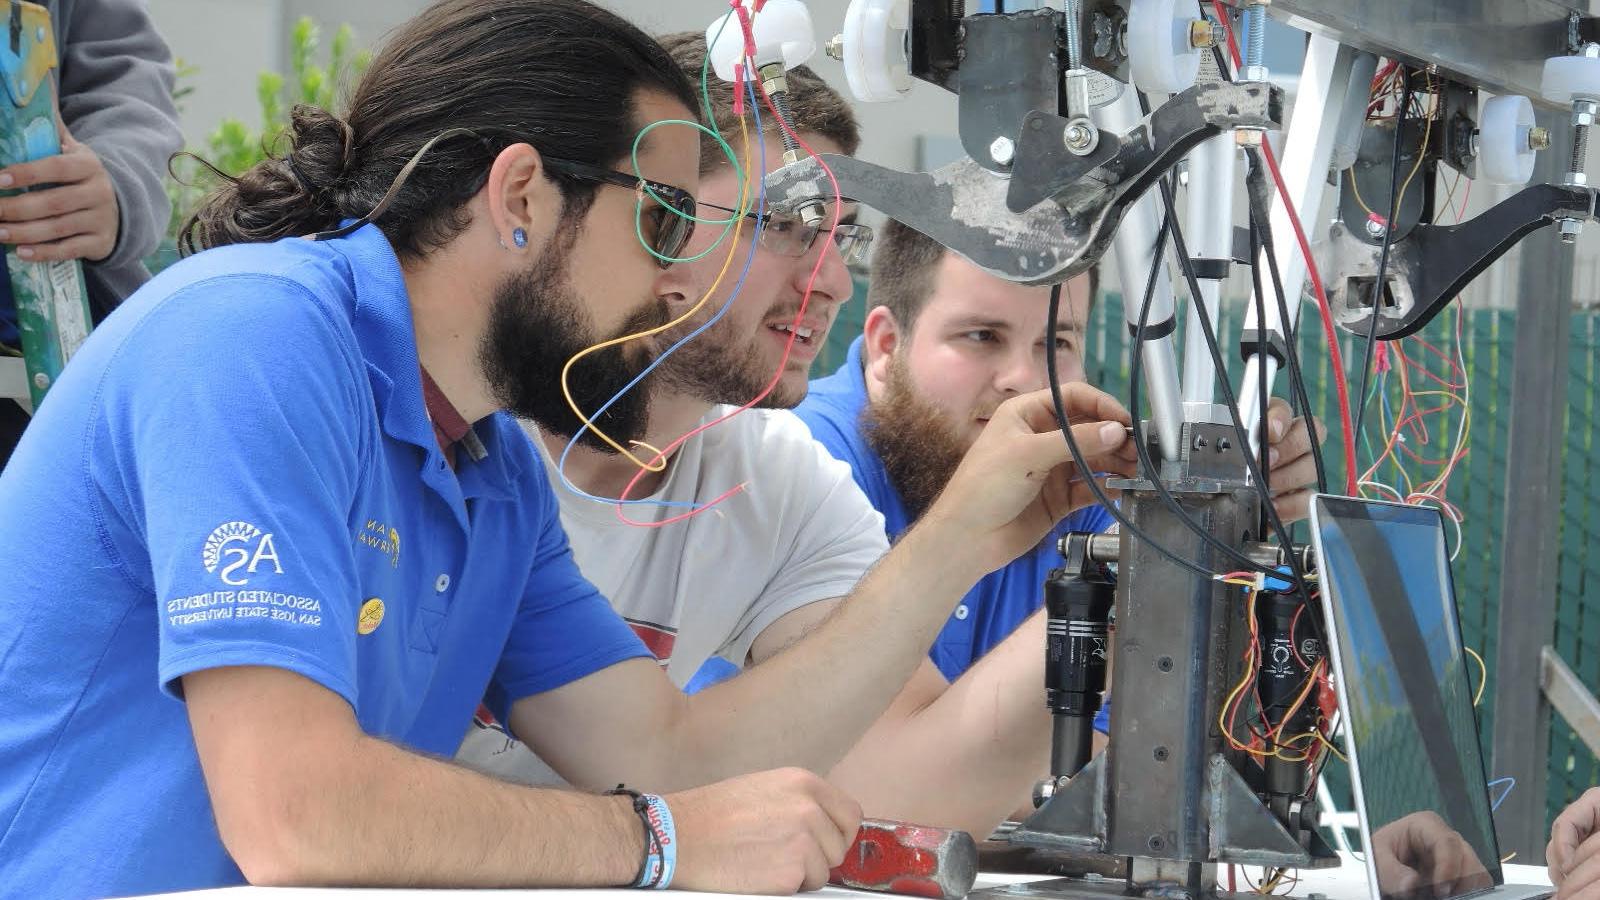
(449, 426)
(383, 327)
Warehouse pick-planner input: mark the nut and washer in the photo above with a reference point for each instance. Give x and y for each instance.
(1080, 137)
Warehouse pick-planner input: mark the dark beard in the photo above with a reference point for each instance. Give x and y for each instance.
(919, 447)
(710, 368)
(536, 324)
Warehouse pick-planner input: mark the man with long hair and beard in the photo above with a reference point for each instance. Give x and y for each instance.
(273, 537)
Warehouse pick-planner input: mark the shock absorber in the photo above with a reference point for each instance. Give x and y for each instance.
(1078, 600)
(1290, 652)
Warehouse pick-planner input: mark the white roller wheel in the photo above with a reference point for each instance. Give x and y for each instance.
(782, 32)
(1504, 156)
(1159, 53)
(1569, 78)
(875, 49)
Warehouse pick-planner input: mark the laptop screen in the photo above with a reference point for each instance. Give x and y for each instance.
(1408, 711)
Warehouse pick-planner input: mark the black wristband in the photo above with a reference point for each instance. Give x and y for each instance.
(641, 808)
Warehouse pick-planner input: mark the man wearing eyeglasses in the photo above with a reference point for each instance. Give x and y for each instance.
(735, 585)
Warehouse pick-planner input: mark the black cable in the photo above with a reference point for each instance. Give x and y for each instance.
(1378, 285)
(1261, 361)
(1231, 401)
(1292, 335)
(1077, 454)
(1135, 371)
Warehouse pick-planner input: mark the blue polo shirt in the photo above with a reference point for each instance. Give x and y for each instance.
(238, 469)
(1000, 602)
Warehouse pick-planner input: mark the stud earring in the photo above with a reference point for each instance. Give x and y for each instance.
(519, 237)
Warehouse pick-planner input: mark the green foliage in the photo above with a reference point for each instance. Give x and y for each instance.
(234, 146)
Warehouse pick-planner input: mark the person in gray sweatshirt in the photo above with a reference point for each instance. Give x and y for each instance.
(104, 202)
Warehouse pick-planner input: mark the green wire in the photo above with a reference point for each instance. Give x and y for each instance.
(727, 151)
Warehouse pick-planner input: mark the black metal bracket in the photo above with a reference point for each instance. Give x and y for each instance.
(1432, 265)
(1009, 67)
(1045, 167)
(969, 210)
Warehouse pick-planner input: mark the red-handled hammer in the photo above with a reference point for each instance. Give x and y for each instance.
(897, 858)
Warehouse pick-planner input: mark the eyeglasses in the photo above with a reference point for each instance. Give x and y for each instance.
(786, 235)
(672, 227)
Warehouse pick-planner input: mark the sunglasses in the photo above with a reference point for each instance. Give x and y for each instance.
(786, 235)
(671, 216)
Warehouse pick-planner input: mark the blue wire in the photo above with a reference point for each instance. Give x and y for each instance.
(761, 208)
(1510, 783)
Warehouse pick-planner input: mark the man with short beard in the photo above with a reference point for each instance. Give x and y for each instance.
(277, 486)
(944, 345)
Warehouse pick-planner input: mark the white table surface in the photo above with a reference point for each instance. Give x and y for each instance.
(1348, 882)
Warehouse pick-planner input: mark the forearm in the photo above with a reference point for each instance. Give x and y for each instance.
(810, 703)
(379, 815)
(969, 757)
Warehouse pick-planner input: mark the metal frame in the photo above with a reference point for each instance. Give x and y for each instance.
(1497, 45)
(1531, 531)
(1570, 697)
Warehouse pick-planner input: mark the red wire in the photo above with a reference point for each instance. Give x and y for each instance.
(783, 363)
(1316, 282)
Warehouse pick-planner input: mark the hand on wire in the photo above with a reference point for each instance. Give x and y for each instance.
(1018, 480)
(1292, 471)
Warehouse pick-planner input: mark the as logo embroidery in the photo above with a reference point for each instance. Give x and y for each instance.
(252, 550)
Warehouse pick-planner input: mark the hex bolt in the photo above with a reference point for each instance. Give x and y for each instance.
(1224, 444)
(1200, 443)
(1002, 150)
(835, 47)
(1375, 228)
(1164, 664)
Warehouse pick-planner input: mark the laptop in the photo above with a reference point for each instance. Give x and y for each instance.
(1421, 792)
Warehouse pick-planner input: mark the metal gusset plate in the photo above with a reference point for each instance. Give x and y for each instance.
(1046, 168)
(964, 207)
(1432, 265)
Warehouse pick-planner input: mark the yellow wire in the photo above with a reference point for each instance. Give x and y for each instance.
(1483, 669)
(733, 249)
(1427, 132)
(1329, 744)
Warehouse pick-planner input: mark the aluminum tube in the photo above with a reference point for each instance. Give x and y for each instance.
(1213, 176)
(1134, 246)
(1307, 149)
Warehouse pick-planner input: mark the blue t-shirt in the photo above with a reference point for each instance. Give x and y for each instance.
(237, 469)
(1000, 602)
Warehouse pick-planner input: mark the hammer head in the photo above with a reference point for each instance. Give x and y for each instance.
(897, 858)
